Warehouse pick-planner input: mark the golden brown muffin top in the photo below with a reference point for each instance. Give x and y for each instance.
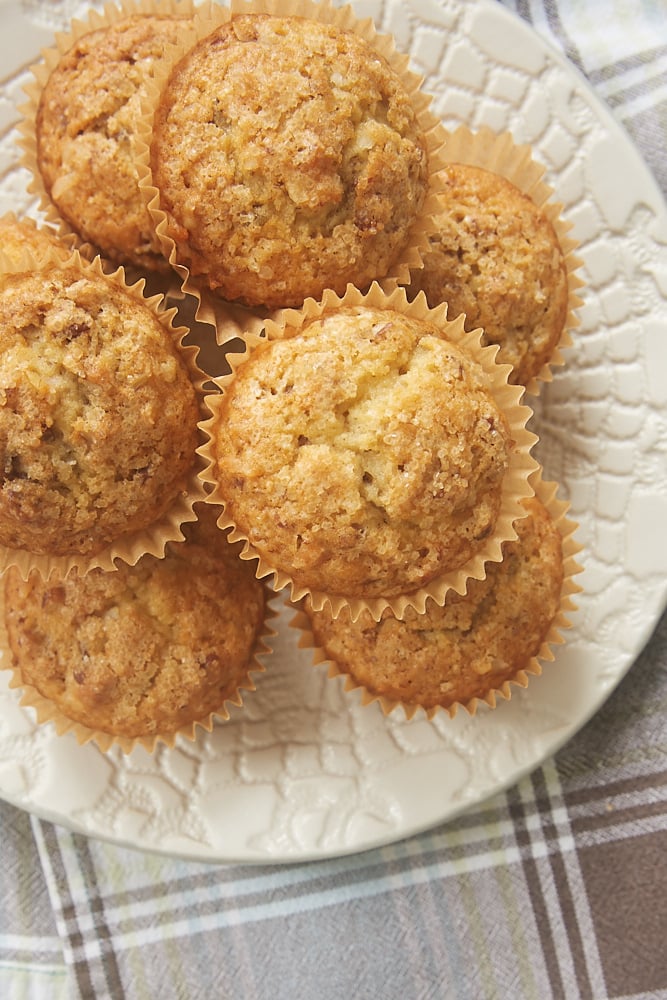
(146, 649)
(470, 646)
(363, 455)
(98, 413)
(288, 159)
(86, 127)
(497, 258)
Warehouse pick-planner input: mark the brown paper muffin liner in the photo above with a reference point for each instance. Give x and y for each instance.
(517, 481)
(230, 319)
(500, 154)
(546, 492)
(212, 357)
(151, 540)
(160, 278)
(46, 712)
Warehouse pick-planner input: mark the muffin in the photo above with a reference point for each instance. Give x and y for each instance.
(23, 240)
(98, 412)
(142, 653)
(362, 454)
(470, 648)
(85, 132)
(288, 157)
(496, 258)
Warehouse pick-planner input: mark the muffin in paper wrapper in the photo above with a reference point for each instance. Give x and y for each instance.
(227, 317)
(23, 239)
(500, 155)
(203, 711)
(514, 485)
(174, 500)
(149, 264)
(490, 688)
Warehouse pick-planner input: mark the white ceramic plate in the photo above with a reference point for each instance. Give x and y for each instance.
(303, 771)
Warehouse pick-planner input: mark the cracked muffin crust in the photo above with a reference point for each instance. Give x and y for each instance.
(496, 257)
(145, 649)
(85, 130)
(363, 455)
(288, 158)
(98, 413)
(468, 647)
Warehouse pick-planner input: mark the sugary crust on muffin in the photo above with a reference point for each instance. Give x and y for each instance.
(98, 413)
(363, 455)
(85, 129)
(288, 158)
(20, 235)
(497, 258)
(144, 650)
(470, 646)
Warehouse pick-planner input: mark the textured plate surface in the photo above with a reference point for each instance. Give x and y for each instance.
(303, 771)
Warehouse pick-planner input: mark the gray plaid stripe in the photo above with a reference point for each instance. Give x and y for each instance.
(647, 129)
(523, 10)
(98, 978)
(563, 909)
(568, 882)
(107, 956)
(537, 901)
(28, 934)
(556, 25)
(557, 895)
(628, 94)
(645, 59)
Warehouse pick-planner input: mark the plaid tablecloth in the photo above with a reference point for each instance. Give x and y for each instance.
(556, 888)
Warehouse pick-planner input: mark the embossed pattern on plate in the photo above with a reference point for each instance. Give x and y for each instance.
(303, 771)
